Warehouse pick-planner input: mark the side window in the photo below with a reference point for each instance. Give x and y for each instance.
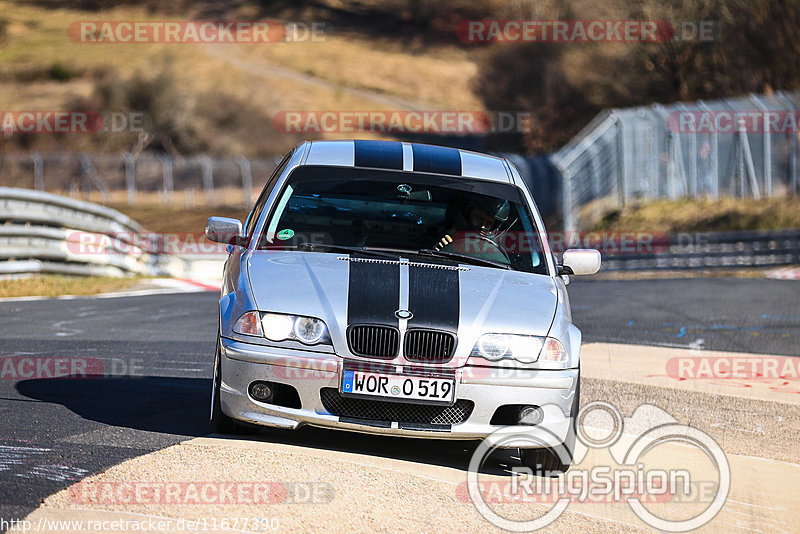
(255, 214)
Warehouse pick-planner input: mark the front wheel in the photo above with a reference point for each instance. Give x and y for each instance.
(552, 461)
(547, 462)
(220, 423)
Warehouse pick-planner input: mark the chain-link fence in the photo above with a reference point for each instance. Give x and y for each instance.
(124, 178)
(743, 147)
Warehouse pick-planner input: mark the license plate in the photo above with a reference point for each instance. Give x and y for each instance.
(398, 387)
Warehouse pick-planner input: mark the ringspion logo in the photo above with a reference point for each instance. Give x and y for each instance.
(628, 474)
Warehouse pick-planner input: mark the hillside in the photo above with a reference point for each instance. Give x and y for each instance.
(216, 98)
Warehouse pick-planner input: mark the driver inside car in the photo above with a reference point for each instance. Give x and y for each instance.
(476, 224)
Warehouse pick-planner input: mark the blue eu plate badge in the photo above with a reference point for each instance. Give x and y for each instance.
(347, 381)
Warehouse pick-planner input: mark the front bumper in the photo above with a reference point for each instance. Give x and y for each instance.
(309, 372)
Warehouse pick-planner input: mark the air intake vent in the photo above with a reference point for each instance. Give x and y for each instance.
(373, 341)
(429, 345)
(400, 412)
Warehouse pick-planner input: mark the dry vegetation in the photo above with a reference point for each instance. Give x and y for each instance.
(162, 218)
(57, 285)
(705, 215)
(213, 98)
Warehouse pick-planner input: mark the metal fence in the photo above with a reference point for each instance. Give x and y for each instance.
(743, 147)
(103, 177)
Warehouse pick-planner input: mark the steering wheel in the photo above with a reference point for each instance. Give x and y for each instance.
(464, 243)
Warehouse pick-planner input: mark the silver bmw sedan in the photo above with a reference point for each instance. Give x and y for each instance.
(403, 289)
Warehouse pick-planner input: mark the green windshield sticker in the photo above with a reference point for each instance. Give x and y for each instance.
(286, 234)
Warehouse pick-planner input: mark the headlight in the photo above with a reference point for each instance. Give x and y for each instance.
(308, 330)
(524, 349)
(493, 347)
(249, 324)
(283, 327)
(277, 327)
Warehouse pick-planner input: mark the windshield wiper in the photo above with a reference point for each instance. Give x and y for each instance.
(462, 257)
(311, 247)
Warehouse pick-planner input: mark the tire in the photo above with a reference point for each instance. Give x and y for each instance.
(552, 461)
(220, 423)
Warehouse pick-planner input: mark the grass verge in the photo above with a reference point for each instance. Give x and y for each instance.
(166, 219)
(54, 285)
(702, 215)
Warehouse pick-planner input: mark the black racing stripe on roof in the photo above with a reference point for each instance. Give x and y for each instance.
(437, 159)
(379, 154)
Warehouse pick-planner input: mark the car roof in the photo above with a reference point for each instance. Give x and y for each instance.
(409, 157)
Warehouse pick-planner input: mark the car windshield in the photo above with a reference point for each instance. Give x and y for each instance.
(453, 218)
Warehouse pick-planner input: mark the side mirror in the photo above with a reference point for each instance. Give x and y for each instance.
(579, 261)
(225, 230)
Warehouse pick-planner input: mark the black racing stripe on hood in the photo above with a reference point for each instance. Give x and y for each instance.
(379, 154)
(434, 298)
(373, 294)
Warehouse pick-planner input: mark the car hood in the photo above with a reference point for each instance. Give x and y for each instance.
(469, 300)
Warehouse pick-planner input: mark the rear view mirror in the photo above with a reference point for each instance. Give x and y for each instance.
(580, 261)
(224, 230)
(424, 195)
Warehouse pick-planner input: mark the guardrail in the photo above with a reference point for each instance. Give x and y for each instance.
(41, 232)
(46, 233)
(713, 250)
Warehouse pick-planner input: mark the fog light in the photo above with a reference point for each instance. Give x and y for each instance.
(531, 415)
(261, 391)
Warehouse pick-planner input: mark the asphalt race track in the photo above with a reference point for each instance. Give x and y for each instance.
(159, 348)
(56, 431)
(727, 314)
